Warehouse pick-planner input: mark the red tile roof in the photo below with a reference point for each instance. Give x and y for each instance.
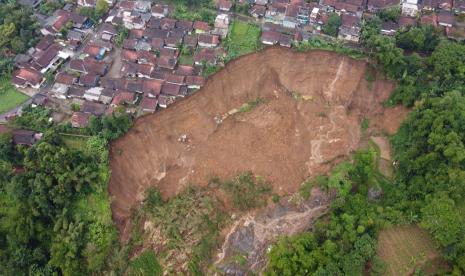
(30, 75)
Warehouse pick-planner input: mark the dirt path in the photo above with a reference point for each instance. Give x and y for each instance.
(115, 70)
(284, 139)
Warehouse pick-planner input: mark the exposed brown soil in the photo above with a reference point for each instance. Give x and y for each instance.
(313, 104)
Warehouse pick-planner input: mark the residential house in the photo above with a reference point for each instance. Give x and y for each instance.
(93, 94)
(96, 109)
(25, 77)
(75, 92)
(107, 95)
(208, 41)
(148, 104)
(389, 28)
(89, 80)
(174, 90)
(221, 25)
(201, 27)
(164, 101)
(270, 37)
(195, 82)
(410, 8)
(431, 19)
(205, 55)
(290, 19)
(258, 11)
(160, 11)
(124, 97)
(151, 88)
(24, 137)
(446, 19)
(224, 5)
(376, 5)
(459, 6)
(80, 119)
(350, 28)
(60, 90)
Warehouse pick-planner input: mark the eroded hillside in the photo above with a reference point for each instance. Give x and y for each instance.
(306, 115)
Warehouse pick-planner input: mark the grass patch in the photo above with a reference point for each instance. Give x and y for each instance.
(9, 96)
(406, 248)
(186, 59)
(250, 105)
(247, 191)
(75, 142)
(145, 264)
(338, 47)
(243, 38)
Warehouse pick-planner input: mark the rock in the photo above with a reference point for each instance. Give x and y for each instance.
(374, 193)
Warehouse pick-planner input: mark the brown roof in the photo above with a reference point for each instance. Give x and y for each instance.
(406, 21)
(96, 109)
(45, 42)
(270, 36)
(446, 18)
(167, 23)
(129, 55)
(190, 40)
(136, 33)
(97, 67)
(185, 25)
(185, 70)
(201, 25)
(176, 79)
(126, 5)
(129, 44)
(195, 80)
(65, 78)
(349, 20)
(429, 19)
(48, 55)
(146, 57)
(380, 4)
(90, 79)
(23, 137)
(92, 50)
(171, 89)
(61, 22)
(108, 28)
(205, 54)
(30, 75)
(224, 5)
(209, 39)
(167, 62)
(80, 119)
(157, 43)
(149, 104)
(123, 97)
(144, 69)
(151, 87)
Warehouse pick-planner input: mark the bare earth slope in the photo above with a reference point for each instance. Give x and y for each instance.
(313, 106)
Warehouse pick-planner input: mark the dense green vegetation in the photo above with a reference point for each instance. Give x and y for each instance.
(55, 213)
(332, 27)
(17, 33)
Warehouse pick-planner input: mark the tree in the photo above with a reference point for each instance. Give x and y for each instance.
(424, 38)
(331, 28)
(101, 7)
(442, 218)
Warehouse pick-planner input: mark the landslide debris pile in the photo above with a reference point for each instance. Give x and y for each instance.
(283, 115)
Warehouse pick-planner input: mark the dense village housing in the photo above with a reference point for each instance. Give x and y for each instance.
(93, 65)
